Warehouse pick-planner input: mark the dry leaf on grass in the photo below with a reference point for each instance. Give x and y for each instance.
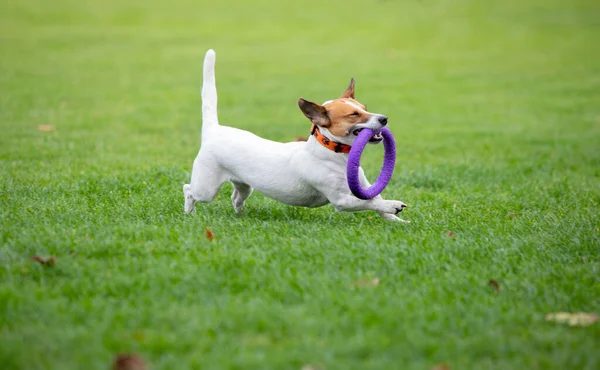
(209, 235)
(128, 362)
(511, 215)
(300, 139)
(441, 366)
(494, 284)
(450, 234)
(139, 336)
(313, 367)
(51, 261)
(367, 282)
(573, 319)
(46, 128)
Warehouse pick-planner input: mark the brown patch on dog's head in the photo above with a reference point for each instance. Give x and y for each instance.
(344, 114)
(339, 116)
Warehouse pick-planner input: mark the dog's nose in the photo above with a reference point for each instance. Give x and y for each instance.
(383, 120)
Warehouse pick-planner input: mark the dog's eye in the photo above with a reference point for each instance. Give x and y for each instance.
(354, 114)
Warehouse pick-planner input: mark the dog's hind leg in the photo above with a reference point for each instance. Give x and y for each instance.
(241, 192)
(190, 202)
(207, 179)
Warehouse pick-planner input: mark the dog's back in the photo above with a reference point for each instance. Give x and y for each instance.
(231, 154)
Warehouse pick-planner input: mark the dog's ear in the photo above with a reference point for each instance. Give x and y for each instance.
(316, 113)
(349, 93)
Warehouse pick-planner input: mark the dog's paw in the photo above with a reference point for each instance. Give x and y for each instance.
(238, 208)
(190, 202)
(394, 206)
(391, 217)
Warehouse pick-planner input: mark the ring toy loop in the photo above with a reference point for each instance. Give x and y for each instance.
(389, 161)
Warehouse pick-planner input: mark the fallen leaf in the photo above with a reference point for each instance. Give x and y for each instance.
(209, 235)
(128, 362)
(511, 215)
(46, 128)
(51, 261)
(494, 284)
(573, 319)
(139, 336)
(313, 367)
(450, 234)
(441, 366)
(367, 282)
(300, 139)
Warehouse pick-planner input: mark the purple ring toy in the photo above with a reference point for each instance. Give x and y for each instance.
(389, 160)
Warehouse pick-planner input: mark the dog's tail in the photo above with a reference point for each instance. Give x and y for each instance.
(209, 94)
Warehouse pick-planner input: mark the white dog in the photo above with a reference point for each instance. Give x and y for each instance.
(309, 174)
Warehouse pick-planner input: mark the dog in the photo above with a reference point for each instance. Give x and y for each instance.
(308, 174)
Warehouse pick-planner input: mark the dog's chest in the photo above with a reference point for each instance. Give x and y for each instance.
(297, 193)
(312, 198)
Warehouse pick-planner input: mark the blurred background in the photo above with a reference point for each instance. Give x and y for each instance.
(462, 81)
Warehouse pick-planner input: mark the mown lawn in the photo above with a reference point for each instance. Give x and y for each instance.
(495, 107)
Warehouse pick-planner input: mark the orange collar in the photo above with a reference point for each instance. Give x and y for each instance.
(327, 143)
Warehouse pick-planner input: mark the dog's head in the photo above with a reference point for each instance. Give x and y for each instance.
(344, 117)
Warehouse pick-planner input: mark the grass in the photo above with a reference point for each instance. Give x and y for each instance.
(495, 109)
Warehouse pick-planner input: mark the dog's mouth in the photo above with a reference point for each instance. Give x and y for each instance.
(374, 139)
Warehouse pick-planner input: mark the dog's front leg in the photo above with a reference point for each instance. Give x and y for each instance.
(364, 182)
(335, 189)
(346, 202)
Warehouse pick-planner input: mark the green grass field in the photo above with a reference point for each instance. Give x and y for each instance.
(495, 107)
